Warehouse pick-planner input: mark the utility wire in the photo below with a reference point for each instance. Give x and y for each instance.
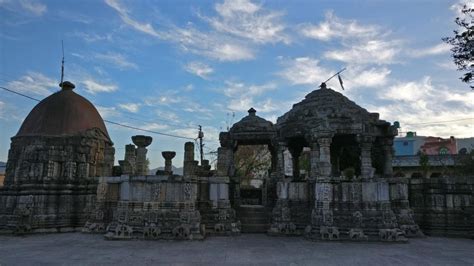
(133, 116)
(108, 121)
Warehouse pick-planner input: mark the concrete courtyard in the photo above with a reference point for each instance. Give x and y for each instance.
(247, 249)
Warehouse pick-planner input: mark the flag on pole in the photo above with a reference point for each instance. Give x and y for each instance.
(340, 81)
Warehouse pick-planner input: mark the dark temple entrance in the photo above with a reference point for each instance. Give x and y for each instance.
(252, 166)
(250, 162)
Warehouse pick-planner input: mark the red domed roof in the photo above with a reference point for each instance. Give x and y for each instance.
(62, 113)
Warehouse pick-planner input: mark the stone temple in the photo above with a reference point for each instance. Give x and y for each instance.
(60, 176)
(54, 160)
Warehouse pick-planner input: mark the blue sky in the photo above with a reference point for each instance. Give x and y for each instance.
(169, 66)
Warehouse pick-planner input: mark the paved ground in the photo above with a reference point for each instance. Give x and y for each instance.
(83, 249)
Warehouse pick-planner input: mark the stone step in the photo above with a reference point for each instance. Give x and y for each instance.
(255, 228)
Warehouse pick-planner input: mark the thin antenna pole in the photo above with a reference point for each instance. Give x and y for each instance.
(340, 71)
(62, 65)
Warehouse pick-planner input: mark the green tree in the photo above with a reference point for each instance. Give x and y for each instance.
(424, 163)
(463, 44)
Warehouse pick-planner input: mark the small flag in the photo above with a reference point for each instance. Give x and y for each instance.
(340, 81)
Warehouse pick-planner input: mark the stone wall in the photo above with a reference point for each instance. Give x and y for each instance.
(162, 207)
(335, 209)
(444, 206)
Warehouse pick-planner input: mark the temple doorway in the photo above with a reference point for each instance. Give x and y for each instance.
(252, 167)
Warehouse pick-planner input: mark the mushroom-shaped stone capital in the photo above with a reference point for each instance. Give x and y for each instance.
(168, 155)
(141, 140)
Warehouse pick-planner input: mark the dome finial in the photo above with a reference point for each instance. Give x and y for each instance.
(66, 85)
(252, 111)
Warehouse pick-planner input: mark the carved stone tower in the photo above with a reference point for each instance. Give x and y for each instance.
(50, 183)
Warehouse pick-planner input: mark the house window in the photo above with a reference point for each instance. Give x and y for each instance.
(443, 151)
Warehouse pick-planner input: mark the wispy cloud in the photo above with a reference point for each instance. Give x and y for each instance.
(131, 107)
(248, 20)
(308, 71)
(189, 39)
(127, 19)
(242, 96)
(361, 44)
(34, 83)
(367, 52)
(92, 37)
(233, 89)
(211, 45)
(94, 87)
(107, 112)
(116, 60)
(199, 69)
(34, 7)
(334, 27)
(441, 48)
(304, 71)
(408, 101)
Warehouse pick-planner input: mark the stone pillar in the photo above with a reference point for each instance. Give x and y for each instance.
(189, 165)
(366, 169)
(141, 164)
(295, 155)
(224, 160)
(387, 147)
(189, 151)
(314, 160)
(280, 160)
(168, 155)
(325, 156)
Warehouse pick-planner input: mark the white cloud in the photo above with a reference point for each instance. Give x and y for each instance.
(34, 7)
(154, 126)
(304, 71)
(106, 112)
(199, 69)
(167, 115)
(362, 77)
(242, 96)
(367, 52)
(131, 107)
(441, 48)
(245, 19)
(124, 15)
(94, 87)
(34, 83)
(211, 45)
(233, 89)
(408, 102)
(92, 37)
(334, 27)
(116, 60)
(361, 44)
(307, 71)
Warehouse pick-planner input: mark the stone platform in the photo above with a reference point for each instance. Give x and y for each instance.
(247, 249)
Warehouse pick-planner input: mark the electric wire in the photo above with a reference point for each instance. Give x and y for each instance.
(108, 121)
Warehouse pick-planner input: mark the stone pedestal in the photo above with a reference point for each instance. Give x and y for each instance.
(168, 155)
(141, 164)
